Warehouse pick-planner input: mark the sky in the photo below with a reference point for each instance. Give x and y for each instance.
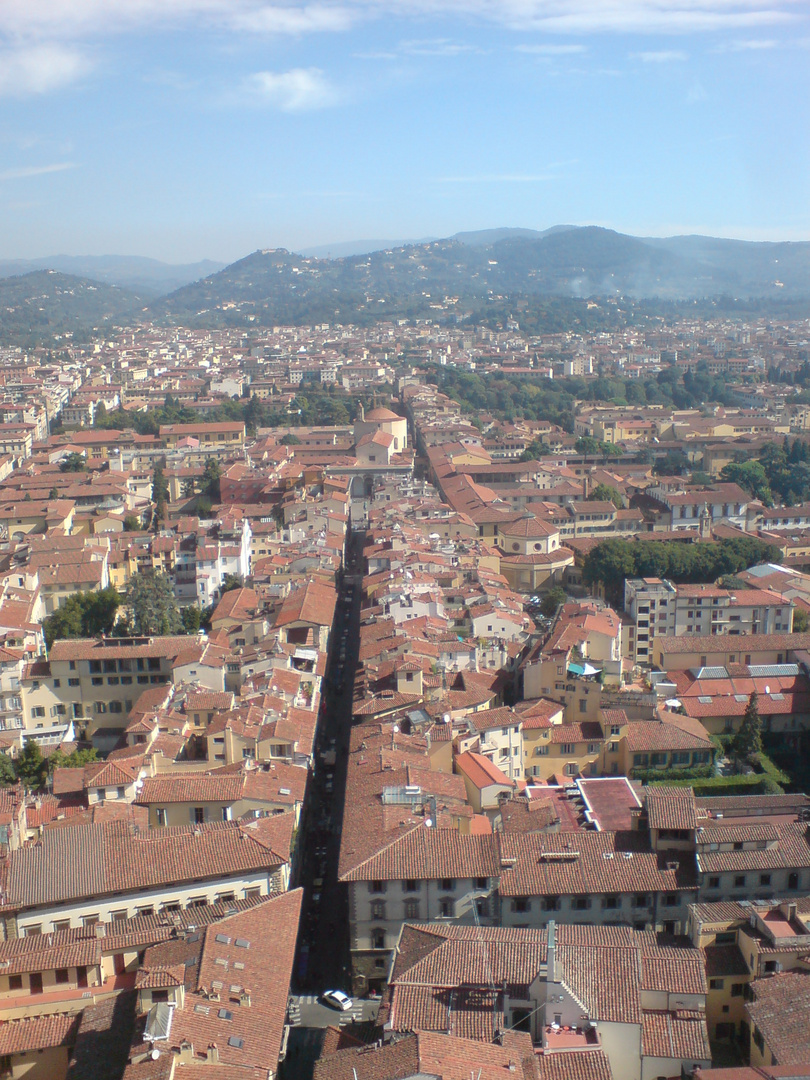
(190, 129)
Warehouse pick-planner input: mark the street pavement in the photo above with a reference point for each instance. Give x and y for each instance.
(306, 1010)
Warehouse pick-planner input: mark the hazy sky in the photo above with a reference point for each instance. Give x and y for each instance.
(190, 128)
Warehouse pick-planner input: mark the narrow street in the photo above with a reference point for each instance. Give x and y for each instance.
(322, 956)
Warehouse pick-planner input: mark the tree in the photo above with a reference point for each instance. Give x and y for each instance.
(132, 523)
(77, 760)
(751, 476)
(31, 767)
(151, 606)
(552, 600)
(610, 562)
(606, 493)
(73, 462)
(799, 621)
(588, 445)
(211, 477)
(53, 493)
(192, 617)
(160, 485)
(290, 440)
(189, 487)
(747, 742)
(231, 582)
(8, 776)
(84, 614)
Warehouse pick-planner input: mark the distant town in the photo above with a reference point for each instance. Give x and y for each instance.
(405, 700)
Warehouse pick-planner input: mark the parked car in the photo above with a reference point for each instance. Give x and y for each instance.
(336, 999)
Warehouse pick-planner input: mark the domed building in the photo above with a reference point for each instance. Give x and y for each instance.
(385, 421)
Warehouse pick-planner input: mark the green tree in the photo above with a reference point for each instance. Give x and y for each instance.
(799, 621)
(751, 476)
(211, 477)
(151, 606)
(552, 600)
(53, 493)
(231, 582)
(586, 444)
(84, 614)
(77, 760)
(747, 742)
(290, 440)
(610, 563)
(132, 523)
(189, 487)
(192, 617)
(31, 767)
(160, 485)
(73, 462)
(8, 776)
(606, 493)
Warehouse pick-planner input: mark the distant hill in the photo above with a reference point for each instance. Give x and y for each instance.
(145, 276)
(36, 306)
(475, 269)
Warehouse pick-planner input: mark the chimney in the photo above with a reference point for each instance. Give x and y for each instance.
(212, 1054)
(244, 998)
(551, 950)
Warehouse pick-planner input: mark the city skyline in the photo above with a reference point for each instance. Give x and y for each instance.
(202, 129)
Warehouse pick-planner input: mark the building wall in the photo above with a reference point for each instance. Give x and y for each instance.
(52, 917)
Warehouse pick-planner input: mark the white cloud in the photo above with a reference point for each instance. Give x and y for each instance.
(498, 178)
(436, 47)
(24, 171)
(749, 45)
(551, 50)
(56, 18)
(37, 69)
(299, 90)
(665, 56)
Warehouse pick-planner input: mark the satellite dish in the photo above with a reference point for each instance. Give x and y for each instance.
(155, 1054)
(767, 689)
(428, 822)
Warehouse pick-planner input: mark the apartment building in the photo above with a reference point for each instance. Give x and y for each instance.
(572, 992)
(656, 608)
(87, 874)
(96, 682)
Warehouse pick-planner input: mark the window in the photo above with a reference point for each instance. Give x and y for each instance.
(714, 882)
(793, 881)
(411, 909)
(199, 815)
(725, 937)
(551, 903)
(739, 881)
(481, 883)
(411, 885)
(445, 908)
(378, 938)
(567, 748)
(581, 903)
(160, 814)
(74, 682)
(378, 909)
(737, 989)
(61, 975)
(448, 884)
(610, 903)
(764, 879)
(641, 900)
(670, 900)
(15, 982)
(520, 904)
(716, 984)
(378, 886)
